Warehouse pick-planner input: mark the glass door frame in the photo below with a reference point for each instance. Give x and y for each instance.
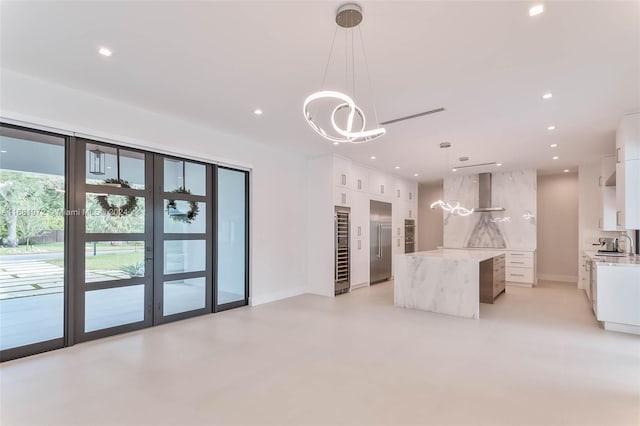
(58, 342)
(247, 262)
(160, 237)
(79, 236)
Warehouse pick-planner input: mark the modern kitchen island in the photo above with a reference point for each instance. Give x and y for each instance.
(448, 281)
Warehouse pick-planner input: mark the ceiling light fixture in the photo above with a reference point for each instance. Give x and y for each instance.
(397, 167)
(348, 17)
(547, 95)
(373, 157)
(554, 145)
(566, 170)
(416, 175)
(257, 111)
(499, 164)
(336, 143)
(105, 52)
(536, 10)
(452, 207)
(4, 151)
(551, 128)
(555, 157)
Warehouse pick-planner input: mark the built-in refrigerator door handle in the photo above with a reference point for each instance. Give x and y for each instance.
(379, 241)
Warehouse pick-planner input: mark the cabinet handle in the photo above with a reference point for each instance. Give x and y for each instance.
(398, 193)
(517, 275)
(618, 218)
(359, 233)
(359, 244)
(409, 213)
(515, 261)
(344, 198)
(343, 179)
(359, 183)
(599, 180)
(600, 223)
(382, 189)
(617, 155)
(410, 195)
(398, 231)
(398, 243)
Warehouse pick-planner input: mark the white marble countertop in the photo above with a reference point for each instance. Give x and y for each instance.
(486, 248)
(457, 254)
(614, 260)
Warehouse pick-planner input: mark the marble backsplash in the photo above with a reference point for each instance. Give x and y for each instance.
(513, 228)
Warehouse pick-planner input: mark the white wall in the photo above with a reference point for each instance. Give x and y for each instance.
(430, 226)
(278, 182)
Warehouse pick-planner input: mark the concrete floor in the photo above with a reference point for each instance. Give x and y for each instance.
(536, 357)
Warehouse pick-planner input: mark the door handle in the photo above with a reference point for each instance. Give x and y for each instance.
(379, 241)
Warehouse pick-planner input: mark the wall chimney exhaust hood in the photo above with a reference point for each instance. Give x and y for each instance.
(484, 195)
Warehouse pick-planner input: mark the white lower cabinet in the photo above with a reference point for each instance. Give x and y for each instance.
(520, 268)
(617, 296)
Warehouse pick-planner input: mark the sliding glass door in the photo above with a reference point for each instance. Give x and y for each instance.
(233, 243)
(113, 266)
(98, 239)
(183, 239)
(32, 241)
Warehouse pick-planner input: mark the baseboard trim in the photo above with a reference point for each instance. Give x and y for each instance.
(360, 285)
(562, 278)
(255, 301)
(622, 328)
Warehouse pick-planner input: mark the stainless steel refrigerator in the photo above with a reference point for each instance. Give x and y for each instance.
(380, 240)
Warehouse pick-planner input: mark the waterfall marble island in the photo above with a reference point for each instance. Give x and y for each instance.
(448, 281)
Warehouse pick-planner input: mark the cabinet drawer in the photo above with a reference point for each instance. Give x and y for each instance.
(519, 275)
(519, 255)
(520, 262)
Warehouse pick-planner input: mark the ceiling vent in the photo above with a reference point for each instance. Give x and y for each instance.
(409, 117)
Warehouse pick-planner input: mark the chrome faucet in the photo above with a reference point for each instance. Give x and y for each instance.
(624, 234)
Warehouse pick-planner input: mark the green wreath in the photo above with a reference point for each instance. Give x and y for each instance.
(124, 210)
(179, 216)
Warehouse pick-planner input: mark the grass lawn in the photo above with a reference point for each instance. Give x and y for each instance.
(59, 248)
(109, 261)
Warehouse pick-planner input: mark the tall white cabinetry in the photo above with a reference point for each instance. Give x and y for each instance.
(628, 172)
(607, 194)
(337, 181)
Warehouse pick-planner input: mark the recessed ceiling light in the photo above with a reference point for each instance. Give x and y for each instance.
(108, 167)
(554, 145)
(336, 143)
(4, 151)
(555, 157)
(454, 170)
(397, 167)
(105, 52)
(547, 95)
(551, 128)
(257, 111)
(536, 10)
(416, 174)
(499, 164)
(373, 157)
(566, 170)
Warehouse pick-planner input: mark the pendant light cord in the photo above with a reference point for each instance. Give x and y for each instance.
(326, 68)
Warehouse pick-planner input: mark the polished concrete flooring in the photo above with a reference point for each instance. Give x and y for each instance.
(536, 357)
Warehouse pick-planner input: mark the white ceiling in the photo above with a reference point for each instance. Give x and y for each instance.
(487, 63)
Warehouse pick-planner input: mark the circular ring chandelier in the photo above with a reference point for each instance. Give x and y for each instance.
(348, 17)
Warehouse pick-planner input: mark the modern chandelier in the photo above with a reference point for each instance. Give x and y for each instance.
(352, 130)
(451, 206)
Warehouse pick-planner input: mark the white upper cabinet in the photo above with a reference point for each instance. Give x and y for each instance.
(342, 172)
(628, 172)
(607, 198)
(360, 178)
(628, 138)
(380, 184)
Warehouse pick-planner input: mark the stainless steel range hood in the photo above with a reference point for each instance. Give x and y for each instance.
(484, 195)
